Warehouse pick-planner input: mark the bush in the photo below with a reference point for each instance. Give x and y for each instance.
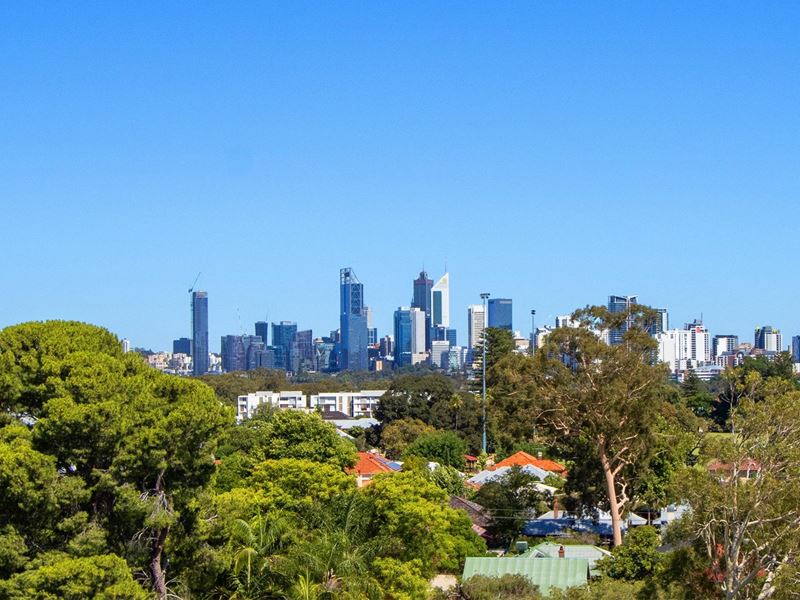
(507, 587)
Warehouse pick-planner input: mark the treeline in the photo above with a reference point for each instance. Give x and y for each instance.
(117, 481)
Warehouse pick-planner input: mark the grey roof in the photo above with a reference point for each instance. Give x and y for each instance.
(488, 475)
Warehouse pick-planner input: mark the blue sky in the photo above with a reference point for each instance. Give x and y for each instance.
(554, 153)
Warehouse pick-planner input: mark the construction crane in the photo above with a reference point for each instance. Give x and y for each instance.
(194, 283)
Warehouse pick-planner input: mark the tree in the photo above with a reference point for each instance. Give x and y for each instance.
(411, 520)
(129, 446)
(412, 396)
(293, 434)
(511, 500)
(508, 587)
(637, 558)
(444, 447)
(499, 344)
(397, 435)
(602, 397)
(745, 507)
(92, 578)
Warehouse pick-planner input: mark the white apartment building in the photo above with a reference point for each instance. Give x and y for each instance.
(247, 405)
(685, 349)
(353, 404)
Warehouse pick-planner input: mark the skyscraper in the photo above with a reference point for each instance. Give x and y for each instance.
(353, 322)
(500, 313)
(402, 336)
(422, 300)
(440, 302)
(182, 346)
(768, 339)
(199, 333)
(796, 348)
(620, 304)
(262, 330)
(724, 343)
(283, 335)
(476, 321)
(233, 353)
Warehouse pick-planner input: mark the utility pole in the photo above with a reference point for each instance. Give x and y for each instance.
(484, 296)
(533, 331)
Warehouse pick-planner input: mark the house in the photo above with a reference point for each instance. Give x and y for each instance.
(522, 459)
(477, 480)
(370, 464)
(560, 524)
(550, 550)
(546, 573)
(477, 514)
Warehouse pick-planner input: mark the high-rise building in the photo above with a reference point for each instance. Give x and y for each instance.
(126, 345)
(620, 304)
(724, 343)
(452, 336)
(353, 322)
(409, 336)
(233, 353)
(283, 335)
(796, 348)
(768, 339)
(303, 350)
(476, 321)
(500, 313)
(402, 336)
(182, 346)
(262, 331)
(423, 300)
(685, 349)
(372, 331)
(440, 302)
(439, 354)
(199, 333)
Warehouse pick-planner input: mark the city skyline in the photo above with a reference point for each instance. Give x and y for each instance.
(551, 154)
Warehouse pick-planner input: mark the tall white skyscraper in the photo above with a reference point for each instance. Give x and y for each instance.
(441, 302)
(476, 319)
(417, 330)
(685, 349)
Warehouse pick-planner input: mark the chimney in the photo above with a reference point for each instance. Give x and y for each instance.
(561, 552)
(555, 507)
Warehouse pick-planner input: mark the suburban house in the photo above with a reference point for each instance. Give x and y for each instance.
(523, 459)
(370, 464)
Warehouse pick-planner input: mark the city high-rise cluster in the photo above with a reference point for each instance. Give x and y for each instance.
(422, 335)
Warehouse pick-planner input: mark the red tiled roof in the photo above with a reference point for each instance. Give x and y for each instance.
(521, 459)
(470, 458)
(369, 464)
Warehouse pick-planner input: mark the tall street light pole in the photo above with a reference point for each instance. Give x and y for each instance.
(533, 331)
(484, 296)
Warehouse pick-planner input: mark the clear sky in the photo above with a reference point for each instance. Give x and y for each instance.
(551, 152)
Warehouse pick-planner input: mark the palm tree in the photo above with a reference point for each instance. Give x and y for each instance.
(256, 547)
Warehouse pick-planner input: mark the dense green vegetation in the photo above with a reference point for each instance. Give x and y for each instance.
(117, 481)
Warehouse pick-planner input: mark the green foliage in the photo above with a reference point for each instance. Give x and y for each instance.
(511, 501)
(293, 434)
(397, 435)
(444, 447)
(412, 520)
(447, 478)
(411, 396)
(507, 587)
(638, 556)
(105, 577)
(607, 589)
(401, 580)
(297, 484)
(601, 401)
(31, 355)
(229, 386)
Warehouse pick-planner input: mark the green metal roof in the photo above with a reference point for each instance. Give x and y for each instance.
(560, 573)
(590, 553)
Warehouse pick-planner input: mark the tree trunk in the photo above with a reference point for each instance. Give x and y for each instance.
(613, 503)
(156, 571)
